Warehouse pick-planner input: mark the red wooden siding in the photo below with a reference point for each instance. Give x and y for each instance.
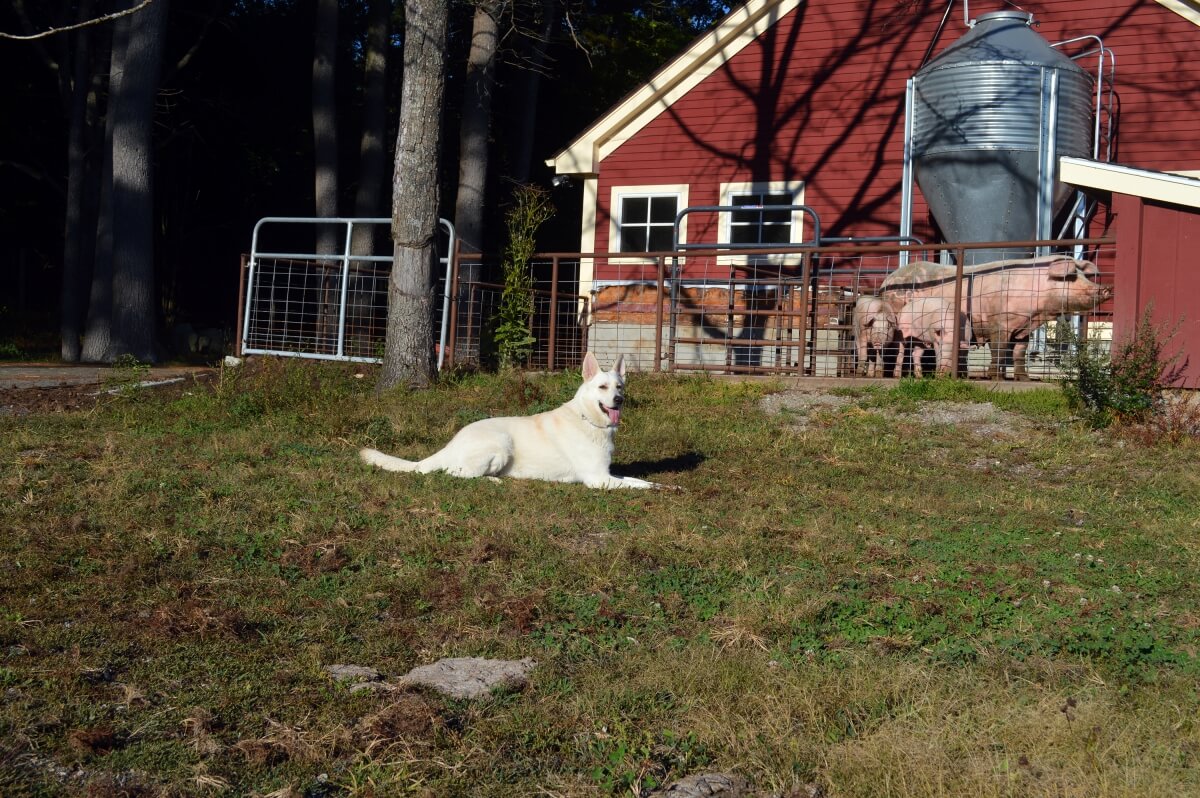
(820, 98)
(1156, 250)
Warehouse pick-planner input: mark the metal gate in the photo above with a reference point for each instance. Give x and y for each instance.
(327, 306)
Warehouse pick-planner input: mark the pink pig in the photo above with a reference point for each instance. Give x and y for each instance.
(875, 336)
(1005, 300)
(929, 322)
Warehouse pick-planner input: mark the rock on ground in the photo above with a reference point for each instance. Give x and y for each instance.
(353, 673)
(470, 677)
(703, 785)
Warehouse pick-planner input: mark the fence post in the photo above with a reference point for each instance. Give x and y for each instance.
(779, 350)
(675, 289)
(658, 312)
(454, 298)
(553, 313)
(342, 294)
(956, 338)
(241, 308)
(805, 276)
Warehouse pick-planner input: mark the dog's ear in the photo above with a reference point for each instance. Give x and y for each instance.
(619, 366)
(590, 366)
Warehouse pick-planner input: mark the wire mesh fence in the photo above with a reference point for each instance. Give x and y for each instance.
(557, 325)
(789, 311)
(317, 288)
(794, 312)
(295, 307)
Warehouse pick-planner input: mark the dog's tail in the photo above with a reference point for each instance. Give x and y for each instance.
(386, 461)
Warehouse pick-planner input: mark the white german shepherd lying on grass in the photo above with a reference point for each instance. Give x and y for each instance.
(572, 443)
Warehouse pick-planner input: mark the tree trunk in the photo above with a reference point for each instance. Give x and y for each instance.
(523, 151)
(473, 152)
(134, 310)
(361, 310)
(324, 113)
(371, 157)
(473, 134)
(325, 155)
(98, 334)
(408, 355)
(72, 309)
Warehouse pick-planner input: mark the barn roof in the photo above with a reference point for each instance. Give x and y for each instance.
(1188, 9)
(1177, 189)
(705, 56)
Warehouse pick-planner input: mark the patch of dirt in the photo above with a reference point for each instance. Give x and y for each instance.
(982, 419)
(588, 542)
(800, 406)
(199, 617)
(410, 716)
(56, 399)
(802, 401)
(28, 390)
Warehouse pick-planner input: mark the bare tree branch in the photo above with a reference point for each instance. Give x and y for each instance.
(96, 21)
(575, 38)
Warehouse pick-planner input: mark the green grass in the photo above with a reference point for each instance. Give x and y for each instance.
(864, 602)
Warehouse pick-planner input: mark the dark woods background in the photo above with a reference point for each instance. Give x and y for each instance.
(229, 139)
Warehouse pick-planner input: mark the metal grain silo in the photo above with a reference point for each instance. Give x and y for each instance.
(989, 118)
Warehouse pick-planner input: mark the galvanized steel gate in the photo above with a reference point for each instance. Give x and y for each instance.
(330, 306)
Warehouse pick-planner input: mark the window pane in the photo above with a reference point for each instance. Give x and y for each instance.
(761, 226)
(634, 209)
(661, 239)
(633, 239)
(743, 235)
(663, 209)
(776, 234)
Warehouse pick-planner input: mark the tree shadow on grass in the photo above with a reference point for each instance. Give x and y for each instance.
(688, 461)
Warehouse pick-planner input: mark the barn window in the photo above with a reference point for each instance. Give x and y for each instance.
(646, 222)
(759, 223)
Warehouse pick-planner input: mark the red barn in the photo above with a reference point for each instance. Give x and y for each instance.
(792, 102)
(1157, 227)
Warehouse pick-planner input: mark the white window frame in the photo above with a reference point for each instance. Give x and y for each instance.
(793, 187)
(621, 193)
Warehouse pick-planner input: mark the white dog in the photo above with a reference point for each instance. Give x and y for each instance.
(572, 443)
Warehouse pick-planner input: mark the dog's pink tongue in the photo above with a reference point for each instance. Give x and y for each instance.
(614, 415)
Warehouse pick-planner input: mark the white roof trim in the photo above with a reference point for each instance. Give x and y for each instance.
(1188, 9)
(1161, 186)
(708, 54)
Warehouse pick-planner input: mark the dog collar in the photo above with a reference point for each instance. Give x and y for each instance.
(584, 416)
(594, 424)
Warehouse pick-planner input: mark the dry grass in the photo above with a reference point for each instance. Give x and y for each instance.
(897, 594)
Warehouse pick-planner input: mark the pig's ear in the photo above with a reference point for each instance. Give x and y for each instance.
(1062, 268)
(1088, 268)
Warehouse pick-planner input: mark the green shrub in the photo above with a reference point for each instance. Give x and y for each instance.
(1126, 386)
(511, 334)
